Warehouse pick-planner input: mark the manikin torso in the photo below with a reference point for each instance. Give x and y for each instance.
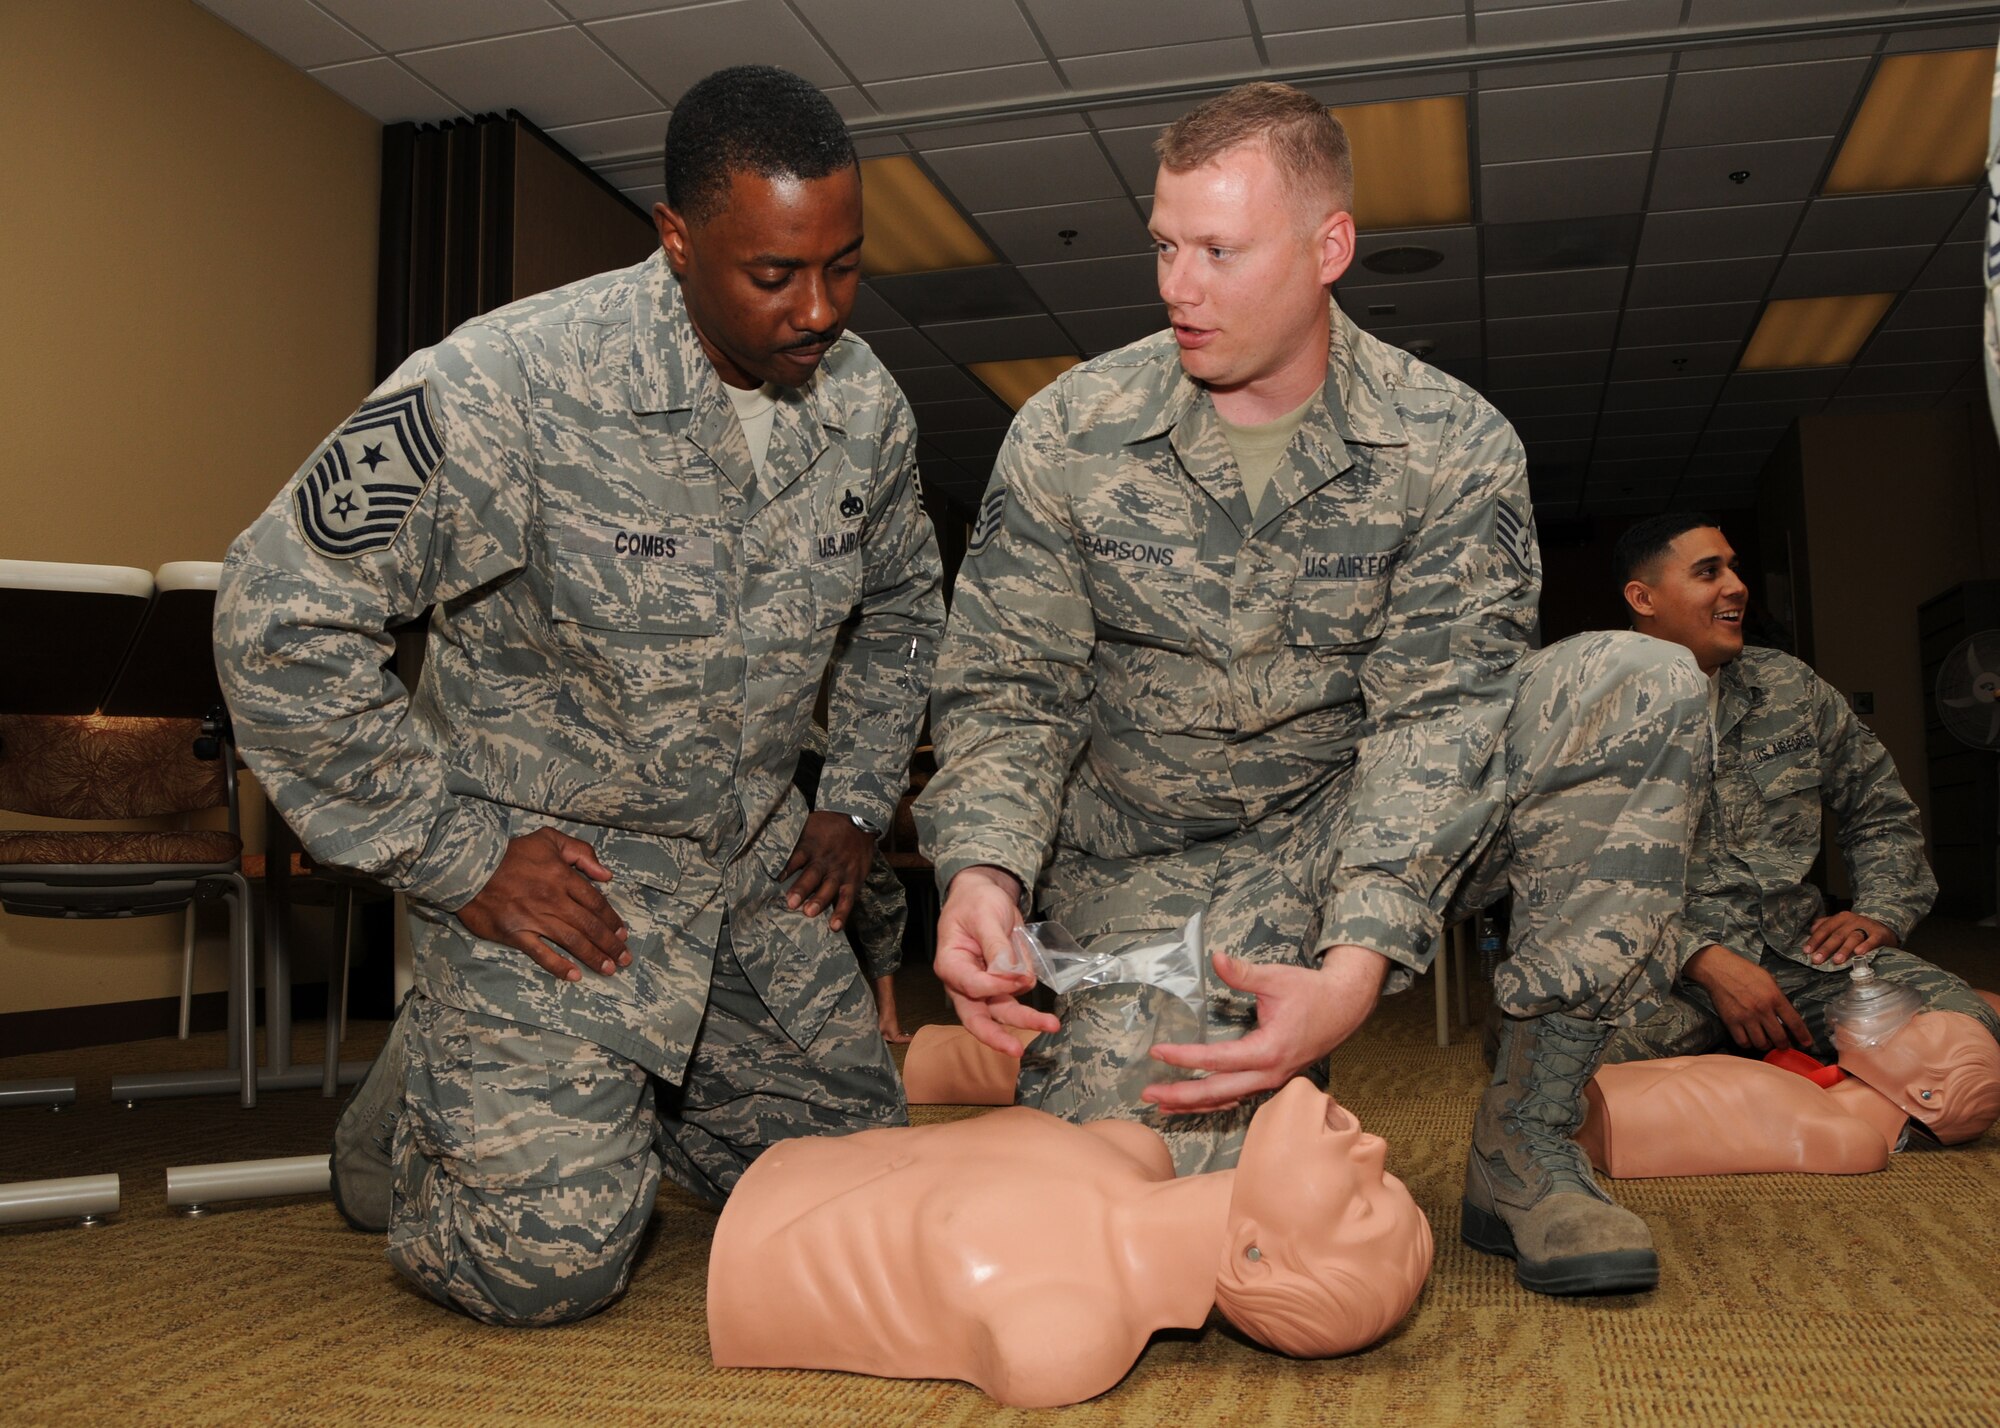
(986, 1250)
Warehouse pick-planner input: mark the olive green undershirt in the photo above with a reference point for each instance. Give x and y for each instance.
(1259, 448)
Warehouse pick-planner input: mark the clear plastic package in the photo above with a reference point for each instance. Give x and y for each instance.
(1122, 1004)
(1871, 1010)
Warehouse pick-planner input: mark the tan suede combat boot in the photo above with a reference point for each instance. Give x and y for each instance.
(1529, 1191)
(362, 1137)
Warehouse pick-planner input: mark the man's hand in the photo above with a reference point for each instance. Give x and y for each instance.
(981, 910)
(831, 858)
(1302, 1014)
(1746, 997)
(542, 893)
(1846, 935)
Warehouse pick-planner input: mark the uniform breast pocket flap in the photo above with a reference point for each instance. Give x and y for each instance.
(1141, 588)
(1782, 778)
(664, 595)
(1340, 599)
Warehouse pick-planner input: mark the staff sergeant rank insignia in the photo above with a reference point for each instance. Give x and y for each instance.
(368, 477)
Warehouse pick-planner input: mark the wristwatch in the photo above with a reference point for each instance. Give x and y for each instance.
(864, 825)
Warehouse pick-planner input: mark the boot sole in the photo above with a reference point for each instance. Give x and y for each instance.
(1612, 1272)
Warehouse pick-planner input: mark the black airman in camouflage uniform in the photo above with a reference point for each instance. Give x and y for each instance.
(631, 615)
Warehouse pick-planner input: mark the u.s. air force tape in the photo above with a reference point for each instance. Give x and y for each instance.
(361, 490)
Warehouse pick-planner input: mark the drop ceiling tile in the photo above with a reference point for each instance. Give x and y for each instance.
(1386, 89)
(1561, 244)
(1677, 392)
(1703, 322)
(938, 384)
(1153, 114)
(1793, 101)
(1567, 120)
(555, 77)
(897, 39)
(1107, 26)
(1971, 224)
(1751, 230)
(1447, 341)
(957, 295)
(1094, 283)
(606, 9)
(397, 26)
(1205, 61)
(1000, 340)
(1953, 265)
(1543, 454)
(1106, 329)
(1567, 332)
(1799, 386)
(1944, 37)
(646, 195)
(852, 105)
(905, 347)
(1753, 441)
(875, 146)
(1533, 294)
(1556, 430)
(995, 131)
(1548, 369)
(1028, 173)
(1566, 23)
(1406, 303)
(301, 34)
(1626, 475)
(1937, 307)
(1132, 155)
(1923, 345)
(1795, 49)
(1528, 402)
(1730, 280)
(640, 136)
(1364, 44)
(1002, 84)
(1661, 445)
(1704, 13)
(979, 412)
(1466, 370)
(1563, 188)
(1653, 421)
(1768, 413)
(1779, 171)
(1906, 377)
(670, 51)
(872, 312)
(1576, 71)
(1458, 247)
(384, 89)
(1103, 228)
(1864, 270)
(1281, 15)
(1881, 220)
(1685, 359)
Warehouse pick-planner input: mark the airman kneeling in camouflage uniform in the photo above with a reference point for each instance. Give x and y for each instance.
(1243, 629)
(1760, 956)
(639, 509)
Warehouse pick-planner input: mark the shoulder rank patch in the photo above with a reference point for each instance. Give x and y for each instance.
(1517, 536)
(358, 495)
(991, 511)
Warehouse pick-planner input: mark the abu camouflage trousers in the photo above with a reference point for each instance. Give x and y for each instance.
(1604, 766)
(526, 1161)
(1688, 1025)
(881, 912)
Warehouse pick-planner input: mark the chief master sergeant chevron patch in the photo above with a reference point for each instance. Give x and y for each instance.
(356, 496)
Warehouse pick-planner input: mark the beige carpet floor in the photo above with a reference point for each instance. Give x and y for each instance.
(1785, 1300)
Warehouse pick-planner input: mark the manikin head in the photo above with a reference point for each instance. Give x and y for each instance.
(1324, 1253)
(1942, 1069)
(762, 223)
(1677, 573)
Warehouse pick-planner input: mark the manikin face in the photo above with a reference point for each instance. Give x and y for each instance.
(1311, 1211)
(1244, 269)
(1942, 1069)
(770, 278)
(1693, 597)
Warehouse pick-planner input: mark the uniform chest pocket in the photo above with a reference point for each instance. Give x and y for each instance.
(670, 591)
(1141, 587)
(1781, 778)
(1340, 599)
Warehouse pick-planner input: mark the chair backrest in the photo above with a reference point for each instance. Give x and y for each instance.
(90, 766)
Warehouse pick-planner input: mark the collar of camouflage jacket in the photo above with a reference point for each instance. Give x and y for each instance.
(1358, 383)
(1737, 692)
(671, 373)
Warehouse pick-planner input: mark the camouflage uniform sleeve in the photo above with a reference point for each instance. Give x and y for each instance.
(1008, 711)
(882, 673)
(1438, 687)
(1875, 819)
(301, 634)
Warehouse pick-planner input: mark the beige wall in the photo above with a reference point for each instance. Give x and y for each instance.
(188, 236)
(1898, 507)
